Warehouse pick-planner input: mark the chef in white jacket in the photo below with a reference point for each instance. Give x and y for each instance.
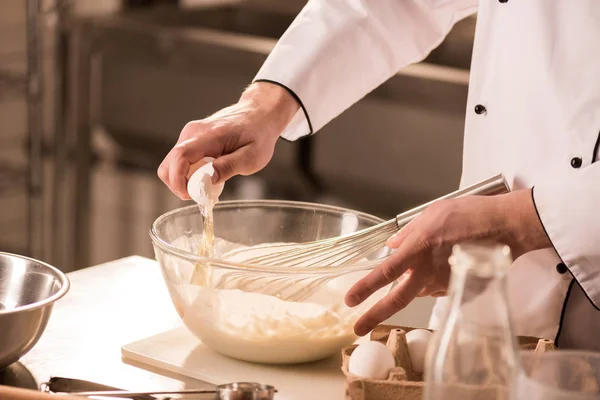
(533, 114)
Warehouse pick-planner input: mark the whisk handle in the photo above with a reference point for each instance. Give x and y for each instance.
(489, 187)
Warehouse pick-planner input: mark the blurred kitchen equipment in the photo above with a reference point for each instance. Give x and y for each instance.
(559, 375)
(357, 245)
(473, 355)
(131, 67)
(229, 391)
(24, 51)
(274, 331)
(28, 290)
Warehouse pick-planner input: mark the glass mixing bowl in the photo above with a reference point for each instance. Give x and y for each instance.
(255, 313)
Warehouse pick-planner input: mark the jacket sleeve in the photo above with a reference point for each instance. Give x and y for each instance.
(337, 51)
(568, 210)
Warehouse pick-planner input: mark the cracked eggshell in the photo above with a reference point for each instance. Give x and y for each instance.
(200, 186)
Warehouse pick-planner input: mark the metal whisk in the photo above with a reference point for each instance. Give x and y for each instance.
(333, 252)
(355, 246)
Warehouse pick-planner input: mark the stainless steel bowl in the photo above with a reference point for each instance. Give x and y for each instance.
(28, 290)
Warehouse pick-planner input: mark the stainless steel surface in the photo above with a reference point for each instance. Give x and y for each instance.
(350, 249)
(229, 391)
(156, 67)
(135, 301)
(34, 126)
(28, 291)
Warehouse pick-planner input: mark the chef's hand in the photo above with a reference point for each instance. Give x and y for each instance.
(240, 137)
(420, 262)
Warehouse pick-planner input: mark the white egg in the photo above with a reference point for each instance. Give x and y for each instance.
(200, 186)
(371, 360)
(417, 341)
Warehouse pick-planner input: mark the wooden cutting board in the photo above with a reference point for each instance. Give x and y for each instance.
(181, 352)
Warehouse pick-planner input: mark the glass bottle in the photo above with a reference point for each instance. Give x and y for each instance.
(474, 353)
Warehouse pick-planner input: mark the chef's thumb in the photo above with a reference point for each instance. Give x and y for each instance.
(228, 166)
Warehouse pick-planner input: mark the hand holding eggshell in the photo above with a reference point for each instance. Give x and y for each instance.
(200, 186)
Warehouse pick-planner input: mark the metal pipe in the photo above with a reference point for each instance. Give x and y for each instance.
(80, 81)
(60, 144)
(35, 131)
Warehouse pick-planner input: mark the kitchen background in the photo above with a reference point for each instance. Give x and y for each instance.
(94, 94)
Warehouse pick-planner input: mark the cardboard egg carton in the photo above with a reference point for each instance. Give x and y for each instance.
(403, 382)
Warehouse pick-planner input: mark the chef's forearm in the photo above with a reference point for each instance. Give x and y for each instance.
(273, 100)
(521, 227)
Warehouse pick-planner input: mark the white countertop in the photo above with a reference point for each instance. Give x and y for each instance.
(108, 305)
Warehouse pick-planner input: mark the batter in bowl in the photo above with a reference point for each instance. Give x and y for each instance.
(261, 328)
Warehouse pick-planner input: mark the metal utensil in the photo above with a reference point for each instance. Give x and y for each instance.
(332, 252)
(230, 391)
(57, 384)
(355, 246)
(28, 290)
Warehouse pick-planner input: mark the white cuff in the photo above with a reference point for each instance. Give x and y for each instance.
(300, 125)
(568, 214)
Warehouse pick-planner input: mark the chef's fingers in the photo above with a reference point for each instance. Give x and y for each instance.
(236, 163)
(397, 299)
(178, 170)
(396, 239)
(392, 268)
(164, 173)
(174, 169)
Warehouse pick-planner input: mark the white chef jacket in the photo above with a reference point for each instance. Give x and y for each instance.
(533, 114)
